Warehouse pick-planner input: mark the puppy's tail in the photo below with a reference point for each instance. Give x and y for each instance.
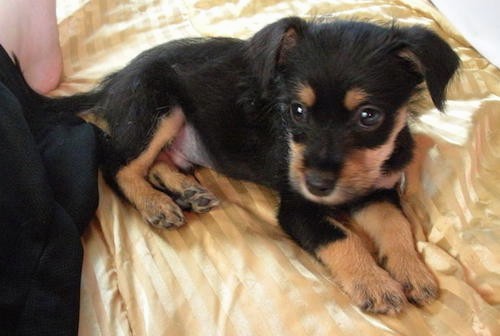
(32, 102)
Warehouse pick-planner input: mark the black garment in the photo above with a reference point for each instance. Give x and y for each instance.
(48, 193)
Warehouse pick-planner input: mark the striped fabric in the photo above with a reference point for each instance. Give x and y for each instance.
(233, 271)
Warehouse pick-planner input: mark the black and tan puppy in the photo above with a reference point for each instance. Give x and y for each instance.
(317, 111)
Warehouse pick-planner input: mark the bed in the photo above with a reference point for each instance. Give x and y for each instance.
(233, 271)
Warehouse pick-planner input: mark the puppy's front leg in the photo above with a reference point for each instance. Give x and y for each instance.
(386, 225)
(342, 251)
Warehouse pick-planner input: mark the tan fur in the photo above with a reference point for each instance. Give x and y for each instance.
(164, 175)
(355, 270)
(353, 98)
(391, 232)
(92, 118)
(296, 172)
(152, 204)
(306, 95)
(171, 177)
(387, 226)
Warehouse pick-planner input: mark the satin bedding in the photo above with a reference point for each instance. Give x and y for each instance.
(233, 271)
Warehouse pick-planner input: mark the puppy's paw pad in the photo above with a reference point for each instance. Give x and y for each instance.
(165, 216)
(200, 200)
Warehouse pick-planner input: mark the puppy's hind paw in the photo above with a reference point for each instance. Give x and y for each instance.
(197, 199)
(163, 213)
(166, 220)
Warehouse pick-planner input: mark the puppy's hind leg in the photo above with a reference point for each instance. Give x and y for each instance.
(156, 207)
(184, 189)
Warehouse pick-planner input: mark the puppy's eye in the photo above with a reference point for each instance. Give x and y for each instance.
(298, 112)
(370, 117)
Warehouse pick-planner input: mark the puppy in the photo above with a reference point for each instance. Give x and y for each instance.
(315, 110)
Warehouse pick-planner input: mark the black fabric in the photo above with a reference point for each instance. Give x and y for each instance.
(48, 194)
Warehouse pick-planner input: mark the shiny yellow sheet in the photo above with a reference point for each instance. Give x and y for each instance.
(233, 271)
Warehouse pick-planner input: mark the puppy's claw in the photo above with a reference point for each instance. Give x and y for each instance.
(393, 300)
(157, 220)
(389, 304)
(379, 294)
(367, 305)
(424, 295)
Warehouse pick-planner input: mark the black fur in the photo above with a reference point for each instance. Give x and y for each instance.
(307, 222)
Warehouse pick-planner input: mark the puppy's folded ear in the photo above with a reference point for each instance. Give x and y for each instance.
(269, 47)
(433, 58)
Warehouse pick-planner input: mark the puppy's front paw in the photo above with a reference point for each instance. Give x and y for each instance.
(160, 211)
(419, 285)
(376, 292)
(370, 287)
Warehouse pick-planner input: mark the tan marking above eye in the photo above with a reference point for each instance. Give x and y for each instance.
(306, 95)
(354, 97)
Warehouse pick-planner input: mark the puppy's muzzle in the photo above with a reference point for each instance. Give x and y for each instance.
(320, 183)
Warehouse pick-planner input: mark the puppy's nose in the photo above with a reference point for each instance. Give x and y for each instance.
(319, 183)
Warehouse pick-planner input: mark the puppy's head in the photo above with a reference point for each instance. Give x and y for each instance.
(347, 87)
